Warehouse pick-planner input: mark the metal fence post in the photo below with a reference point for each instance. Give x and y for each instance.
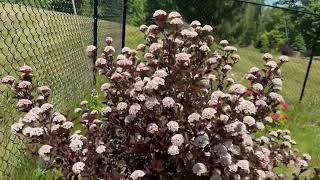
(95, 35)
(309, 64)
(124, 22)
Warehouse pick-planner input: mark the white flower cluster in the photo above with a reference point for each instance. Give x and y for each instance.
(16, 127)
(44, 150)
(173, 126)
(137, 174)
(76, 142)
(101, 149)
(78, 167)
(29, 131)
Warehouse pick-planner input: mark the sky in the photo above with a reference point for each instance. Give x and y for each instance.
(270, 1)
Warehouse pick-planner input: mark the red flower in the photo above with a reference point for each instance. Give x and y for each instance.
(286, 117)
(284, 105)
(275, 117)
(249, 92)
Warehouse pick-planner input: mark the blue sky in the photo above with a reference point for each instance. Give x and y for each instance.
(270, 1)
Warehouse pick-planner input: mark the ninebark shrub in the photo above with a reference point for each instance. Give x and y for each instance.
(171, 111)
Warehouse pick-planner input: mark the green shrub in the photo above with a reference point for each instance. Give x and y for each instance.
(271, 40)
(299, 44)
(136, 15)
(265, 44)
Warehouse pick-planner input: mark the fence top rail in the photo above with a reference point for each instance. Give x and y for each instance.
(277, 7)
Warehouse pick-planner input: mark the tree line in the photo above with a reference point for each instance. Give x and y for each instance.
(266, 28)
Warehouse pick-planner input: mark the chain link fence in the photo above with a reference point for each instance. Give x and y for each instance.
(110, 15)
(51, 37)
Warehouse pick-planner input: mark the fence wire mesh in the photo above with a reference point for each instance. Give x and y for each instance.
(110, 15)
(50, 36)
